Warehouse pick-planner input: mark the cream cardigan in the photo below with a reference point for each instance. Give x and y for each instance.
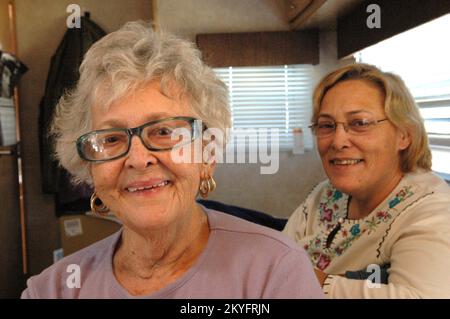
(410, 230)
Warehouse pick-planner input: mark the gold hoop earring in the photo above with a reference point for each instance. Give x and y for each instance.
(212, 184)
(207, 185)
(97, 206)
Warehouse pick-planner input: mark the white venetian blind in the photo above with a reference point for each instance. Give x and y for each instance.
(271, 97)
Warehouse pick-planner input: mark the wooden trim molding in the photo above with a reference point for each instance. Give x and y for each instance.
(299, 11)
(259, 48)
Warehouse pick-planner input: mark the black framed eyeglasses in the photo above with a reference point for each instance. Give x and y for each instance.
(159, 135)
(327, 126)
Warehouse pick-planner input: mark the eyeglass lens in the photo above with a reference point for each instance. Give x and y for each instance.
(327, 127)
(113, 143)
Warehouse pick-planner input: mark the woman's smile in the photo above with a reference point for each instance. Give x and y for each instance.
(347, 165)
(151, 186)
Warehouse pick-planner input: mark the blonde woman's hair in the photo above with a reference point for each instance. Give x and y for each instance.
(399, 106)
(122, 63)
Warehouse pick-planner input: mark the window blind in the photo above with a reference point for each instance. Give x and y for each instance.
(436, 114)
(276, 97)
(426, 72)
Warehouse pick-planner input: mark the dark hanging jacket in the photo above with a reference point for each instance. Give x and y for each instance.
(63, 75)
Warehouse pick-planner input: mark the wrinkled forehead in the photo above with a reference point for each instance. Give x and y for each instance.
(108, 94)
(355, 84)
(141, 102)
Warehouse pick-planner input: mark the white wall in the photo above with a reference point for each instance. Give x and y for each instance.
(242, 184)
(187, 18)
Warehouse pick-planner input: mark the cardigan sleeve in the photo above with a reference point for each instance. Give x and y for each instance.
(296, 225)
(418, 247)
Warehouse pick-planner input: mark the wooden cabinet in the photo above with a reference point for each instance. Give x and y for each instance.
(299, 11)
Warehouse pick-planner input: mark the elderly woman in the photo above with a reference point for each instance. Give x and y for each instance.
(138, 88)
(382, 215)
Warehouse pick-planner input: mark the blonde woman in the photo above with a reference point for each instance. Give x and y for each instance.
(379, 227)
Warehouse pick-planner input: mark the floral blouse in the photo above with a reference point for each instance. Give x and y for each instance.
(409, 231)
(337, 233)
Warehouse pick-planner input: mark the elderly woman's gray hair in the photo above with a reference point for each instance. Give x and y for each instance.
(121, 63)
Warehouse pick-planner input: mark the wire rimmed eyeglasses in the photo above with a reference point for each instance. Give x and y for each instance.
(327, 127)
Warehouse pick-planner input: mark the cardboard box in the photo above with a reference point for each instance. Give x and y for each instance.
(79, 231)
